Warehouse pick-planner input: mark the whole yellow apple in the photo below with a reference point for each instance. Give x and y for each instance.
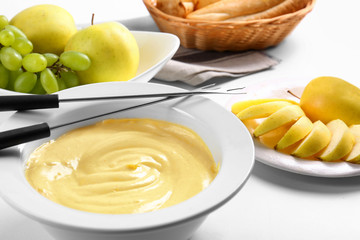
(112, 49)
(47, 26)
(330, 98)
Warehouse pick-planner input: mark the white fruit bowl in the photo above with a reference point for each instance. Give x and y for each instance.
(226, 137)
(155, 48)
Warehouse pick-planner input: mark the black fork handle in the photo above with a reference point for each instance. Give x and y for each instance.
(18, 136)
(28, 102)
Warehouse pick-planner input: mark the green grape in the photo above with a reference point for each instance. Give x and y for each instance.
(70, 79)
(10, 58)
(51, 58)
(3, 21)
(77, 61)
(48, 81)
(22, 45)
(38, 89)
(6, 37)
(25, 82)
(34, 62)
(16, 31)
(61, 84)
(4, 76)
(13, 76)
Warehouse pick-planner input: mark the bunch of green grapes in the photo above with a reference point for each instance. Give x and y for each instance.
(23, 71)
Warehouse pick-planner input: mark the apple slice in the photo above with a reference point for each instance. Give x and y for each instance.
(296, 132)
(341, 142)
(354, 155)
(239, 106)
(261, 110)
(314, 142)
(283, 116)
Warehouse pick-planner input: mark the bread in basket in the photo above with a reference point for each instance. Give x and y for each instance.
(253, 31)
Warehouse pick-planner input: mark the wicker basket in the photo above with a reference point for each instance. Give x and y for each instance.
(229, 36)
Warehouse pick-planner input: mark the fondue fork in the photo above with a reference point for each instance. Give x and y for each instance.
(28, 102)
(30, 133)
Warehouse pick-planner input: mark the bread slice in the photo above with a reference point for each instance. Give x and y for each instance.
(226, 9)
(178, 8)
(287, 6)
(204, 3)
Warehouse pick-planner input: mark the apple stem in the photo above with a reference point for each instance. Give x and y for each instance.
(290, 92)
(92, 18)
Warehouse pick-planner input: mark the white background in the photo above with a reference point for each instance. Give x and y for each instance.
(274, 204)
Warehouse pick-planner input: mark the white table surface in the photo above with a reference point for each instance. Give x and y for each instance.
(274, 204)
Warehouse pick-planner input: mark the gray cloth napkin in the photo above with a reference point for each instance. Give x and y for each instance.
(195, 67)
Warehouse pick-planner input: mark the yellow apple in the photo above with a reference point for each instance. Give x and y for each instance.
(283, 116)
(354, 155)
(112, 49)
(329, 98)
(314, 142)
(261, 110)
(241, 105)
(341, 141)
(299, 130)
(47, 26)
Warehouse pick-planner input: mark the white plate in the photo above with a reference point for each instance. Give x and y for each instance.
(156, 49)
(228, 140)
(278, 89)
